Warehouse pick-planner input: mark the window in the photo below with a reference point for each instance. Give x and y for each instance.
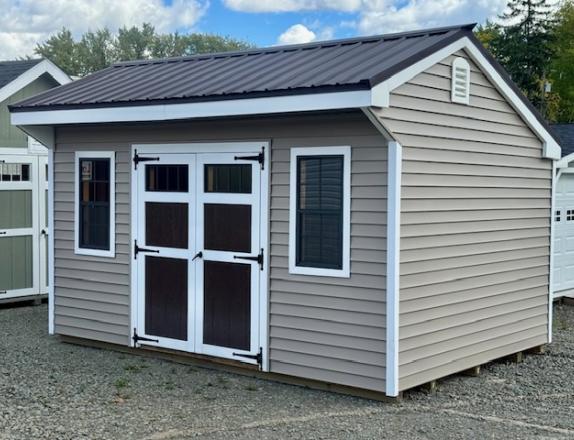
(569, 215)
(557, 215)
(319, 217)
(460, 86)
(14, 172)
(95, 204)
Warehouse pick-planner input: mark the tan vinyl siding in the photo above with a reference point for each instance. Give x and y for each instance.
(329, 329)
(475, 231)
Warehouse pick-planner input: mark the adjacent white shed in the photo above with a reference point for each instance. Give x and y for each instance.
(564, 215)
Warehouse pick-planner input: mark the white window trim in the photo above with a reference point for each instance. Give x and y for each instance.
(344, 151)
(96, 155)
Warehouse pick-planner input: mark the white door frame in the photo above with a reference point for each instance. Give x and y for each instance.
(254, 147)
(33, 231)
(139, 263)
(42, 223)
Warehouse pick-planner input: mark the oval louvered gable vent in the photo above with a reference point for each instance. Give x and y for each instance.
(460, 81)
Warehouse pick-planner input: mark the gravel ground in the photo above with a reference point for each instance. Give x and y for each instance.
(52, 390)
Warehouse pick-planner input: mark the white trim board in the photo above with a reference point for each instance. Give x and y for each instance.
(111, 155)
(345, 152)
(393, 266)
(32, 74)
(51, 265)
(167, 112)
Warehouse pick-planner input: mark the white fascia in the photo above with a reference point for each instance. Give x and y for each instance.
(551, 148)
(30, 75)
(167, 112)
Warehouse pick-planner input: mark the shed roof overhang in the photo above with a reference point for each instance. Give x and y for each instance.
(39, 123)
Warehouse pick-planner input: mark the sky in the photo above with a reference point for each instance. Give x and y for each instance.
(262, 22)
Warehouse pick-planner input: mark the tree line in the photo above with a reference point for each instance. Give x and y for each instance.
(95, 50)
(534, 41)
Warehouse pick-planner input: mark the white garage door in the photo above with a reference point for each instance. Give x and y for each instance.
(564, 237)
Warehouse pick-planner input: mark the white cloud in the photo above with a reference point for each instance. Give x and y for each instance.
(28, 22)
(292, 5)
(382, 16)
(297, 34)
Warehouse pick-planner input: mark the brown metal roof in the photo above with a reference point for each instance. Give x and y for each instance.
(350, 64)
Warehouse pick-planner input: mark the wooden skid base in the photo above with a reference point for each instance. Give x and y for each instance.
(233, 367)
(31, 300)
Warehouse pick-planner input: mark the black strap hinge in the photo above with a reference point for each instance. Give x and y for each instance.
(257, 158)
(138, 249)
(258, 357)
(137, 159)
(136, 338)
(258, 258)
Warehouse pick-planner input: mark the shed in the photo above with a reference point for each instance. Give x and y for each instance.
(23, 185)
(564, 215)
(370, 213)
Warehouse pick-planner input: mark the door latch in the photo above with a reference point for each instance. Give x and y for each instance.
(198, 255)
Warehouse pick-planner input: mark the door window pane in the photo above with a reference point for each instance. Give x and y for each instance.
(14, 172)
(166, 224)
(320, 211)
(167, 178)
(227, 227)
(226, 178)
(94, 203)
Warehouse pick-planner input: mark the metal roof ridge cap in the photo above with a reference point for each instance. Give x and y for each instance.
(290, 47)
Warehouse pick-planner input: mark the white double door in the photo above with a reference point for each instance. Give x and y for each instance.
(196, 253)
(23, 226)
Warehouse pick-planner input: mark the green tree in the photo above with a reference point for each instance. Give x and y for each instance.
(562, 67)
(489, 34)
(62, 50)
(525, 46)
(95, 51)
(98, 49)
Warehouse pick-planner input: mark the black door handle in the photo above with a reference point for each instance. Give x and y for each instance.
(198, 255)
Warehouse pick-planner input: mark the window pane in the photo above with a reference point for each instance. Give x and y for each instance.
(320, 212)
(167, 178)
(228, 178)
(14, 172)
(94, 203)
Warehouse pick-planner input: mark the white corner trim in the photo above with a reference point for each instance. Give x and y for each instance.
(30, 75)
(231, 107)
(51, 265)
(555, 178)
(551, 148)
(111, 252)
(393, 268)
(344, 151)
